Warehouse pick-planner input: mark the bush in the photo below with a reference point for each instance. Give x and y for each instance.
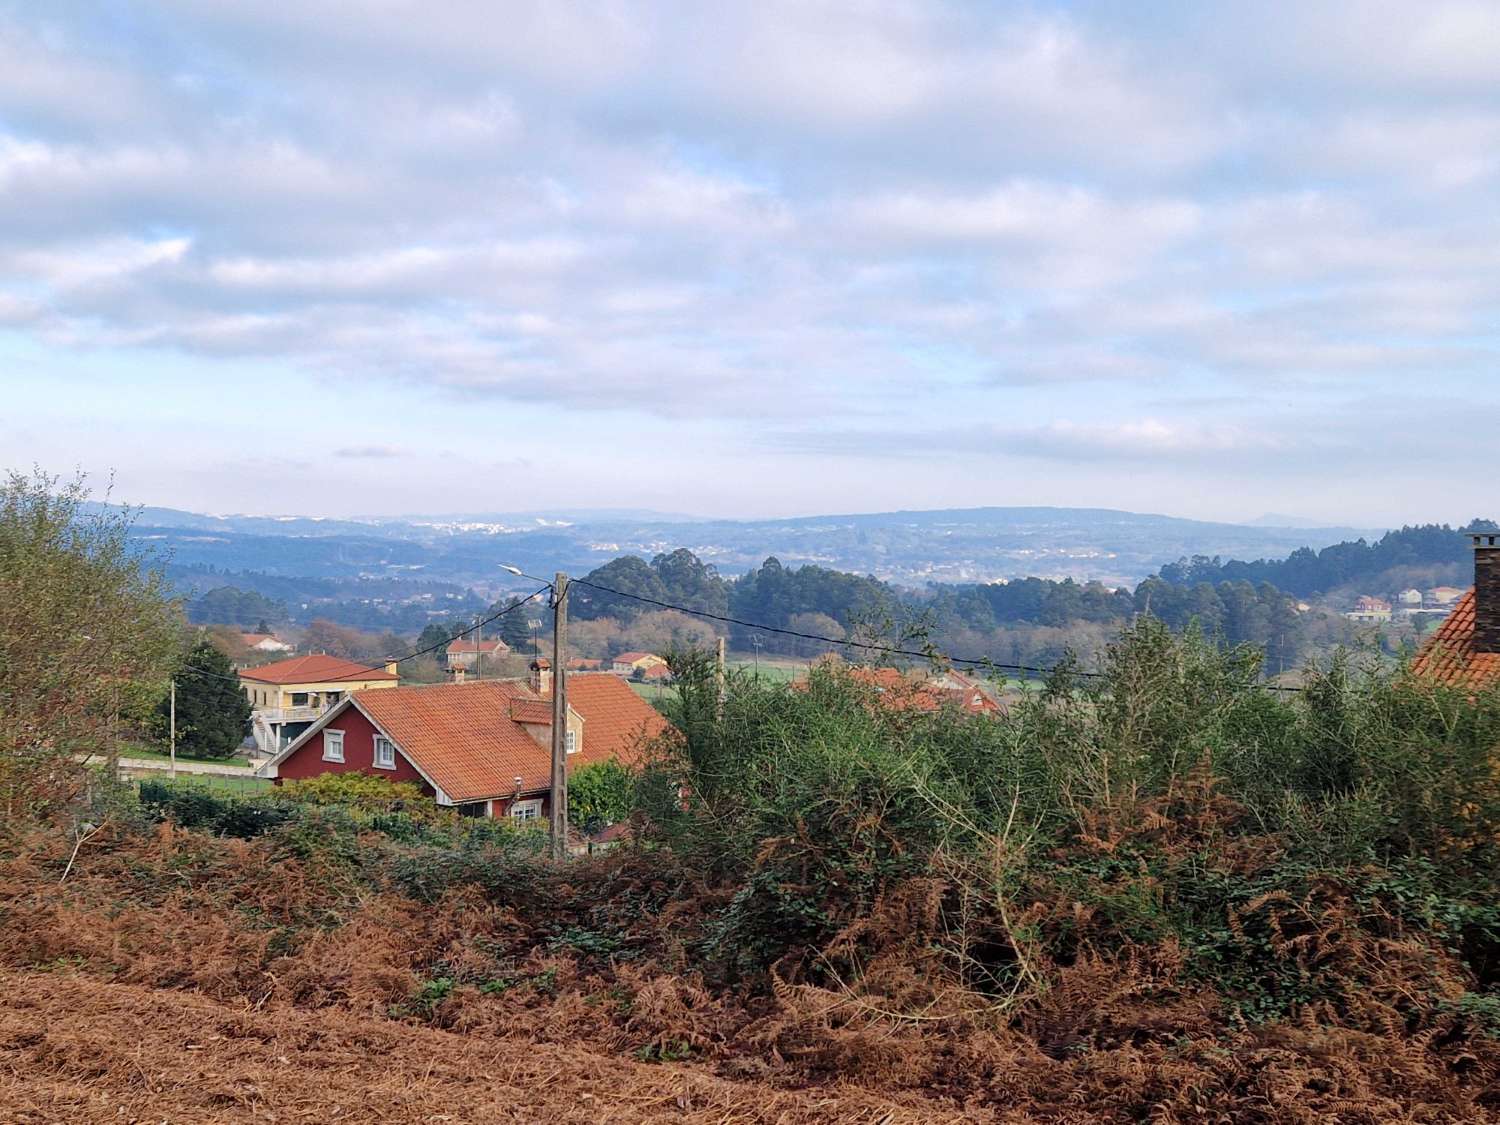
(364, 792)
(193, 806)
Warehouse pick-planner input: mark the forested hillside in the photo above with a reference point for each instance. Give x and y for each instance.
(1436, 551)
(1032, 620)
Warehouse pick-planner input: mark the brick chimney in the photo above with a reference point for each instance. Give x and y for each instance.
(1486, 591)
(541, 676)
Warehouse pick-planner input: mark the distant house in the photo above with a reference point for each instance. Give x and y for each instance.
(288, 696)
(1368, 610)
(264, 642)
(1465, 650)
(465, 653)
(909, 691)
(1444, 595)
(629, 663)
(1409, 597)
(482, 747)
(656, 673)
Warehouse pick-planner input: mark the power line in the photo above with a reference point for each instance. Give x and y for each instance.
(920, 654)
(192, 671)
(477, 625)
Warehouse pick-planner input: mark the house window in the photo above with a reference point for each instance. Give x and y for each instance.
(333, 746)
(473, 808)
(526, 810)
(385, 754)
(570, 740)
(299, 699)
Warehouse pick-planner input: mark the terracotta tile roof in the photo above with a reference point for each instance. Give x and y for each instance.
(313, 669)
(469, 740)
(657, 672)
(635, 657)
(461, 735)
(902, 691)
(487, 647)
(615, 719)
(535, 711)
(1448, 655)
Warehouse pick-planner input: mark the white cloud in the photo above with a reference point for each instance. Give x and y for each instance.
(844, 209)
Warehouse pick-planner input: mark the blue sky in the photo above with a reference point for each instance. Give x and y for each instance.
(781, 258)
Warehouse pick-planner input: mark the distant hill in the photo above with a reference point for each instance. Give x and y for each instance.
(1426, 555)
(910, 548)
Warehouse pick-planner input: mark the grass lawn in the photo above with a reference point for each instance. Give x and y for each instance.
(649, 692)
(149, 753)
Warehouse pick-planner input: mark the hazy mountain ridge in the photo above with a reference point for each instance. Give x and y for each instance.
(905, 547)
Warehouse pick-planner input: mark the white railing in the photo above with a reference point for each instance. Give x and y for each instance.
(288, 714)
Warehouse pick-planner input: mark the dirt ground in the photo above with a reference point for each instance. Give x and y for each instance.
(74, 1049)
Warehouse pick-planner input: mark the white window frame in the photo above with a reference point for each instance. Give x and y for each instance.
(570, 741)
(527, 810)
(381, 740)
(333, 752)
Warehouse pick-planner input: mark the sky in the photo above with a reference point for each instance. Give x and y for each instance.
(1213, 260)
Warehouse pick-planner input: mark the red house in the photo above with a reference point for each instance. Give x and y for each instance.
(1465, 650)
(484, 747)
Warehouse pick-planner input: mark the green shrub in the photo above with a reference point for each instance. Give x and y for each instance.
(195, 806)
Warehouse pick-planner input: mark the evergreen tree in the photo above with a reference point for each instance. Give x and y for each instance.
(515, 627)
(213, 712)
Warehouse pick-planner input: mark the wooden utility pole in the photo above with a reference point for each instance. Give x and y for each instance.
(559, 795)
(172, 743)
(719, 680)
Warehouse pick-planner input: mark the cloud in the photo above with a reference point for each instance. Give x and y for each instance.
(369, 452)
(855, 211)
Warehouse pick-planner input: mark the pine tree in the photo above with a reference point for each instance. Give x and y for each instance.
(213, 712)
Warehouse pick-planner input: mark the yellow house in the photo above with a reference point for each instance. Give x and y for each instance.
(288, 696)
(629, 663)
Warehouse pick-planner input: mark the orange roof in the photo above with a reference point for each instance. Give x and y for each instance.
(1448, 655)
(657, 672)
(314, 669)
(461, 736)
(535, 711)
(615, 719)
(635, 657)
(901, 691)
(469, 741)
(462, 645)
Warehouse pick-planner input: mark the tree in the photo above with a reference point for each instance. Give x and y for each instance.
(85, 624)
(435, 636)
(515, 626)
(600, 794)
(213, 712)
(627, 574)
(229, 605)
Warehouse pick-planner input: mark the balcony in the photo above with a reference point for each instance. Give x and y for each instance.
(287, 714)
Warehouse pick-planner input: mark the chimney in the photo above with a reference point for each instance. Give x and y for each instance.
(390, 668)
(541, 676)
(1486, 591)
